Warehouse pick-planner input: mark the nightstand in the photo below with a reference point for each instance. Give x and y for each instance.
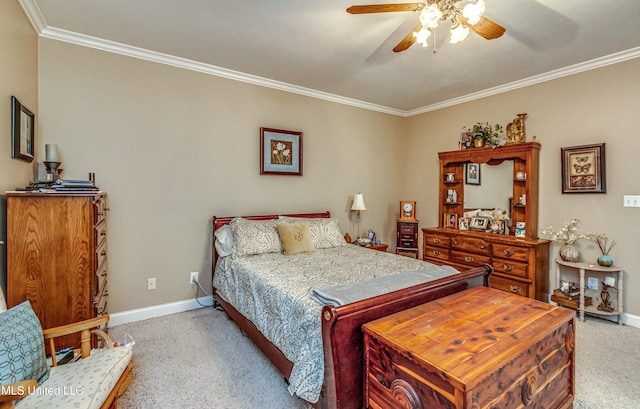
(380, 247)
(407, 237)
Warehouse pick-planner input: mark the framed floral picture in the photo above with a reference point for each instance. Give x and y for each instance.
(472, 174)
(280, 152)
(583, 169)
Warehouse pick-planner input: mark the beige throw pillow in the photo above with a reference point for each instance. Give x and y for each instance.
(295, 238)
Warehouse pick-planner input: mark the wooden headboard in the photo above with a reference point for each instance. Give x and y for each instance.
(218, 222)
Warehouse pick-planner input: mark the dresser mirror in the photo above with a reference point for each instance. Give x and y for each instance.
(495, 189)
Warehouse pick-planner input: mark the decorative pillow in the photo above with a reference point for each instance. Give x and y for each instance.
(295, 238)
(224, 241)
(325, 232)
(21, 346)
(254, 237)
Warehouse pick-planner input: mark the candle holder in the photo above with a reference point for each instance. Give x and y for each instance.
(52, 169)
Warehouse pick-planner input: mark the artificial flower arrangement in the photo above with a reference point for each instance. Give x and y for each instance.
(569, 235)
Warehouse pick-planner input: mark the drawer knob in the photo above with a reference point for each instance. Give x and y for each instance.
(103, 253)
(482, 247)
(436, 241)
(514, 289)
(104, 272)
(508, 253)
(507, 267)
(436, 253)
(468, 259)
(103, 232)
(106, 293)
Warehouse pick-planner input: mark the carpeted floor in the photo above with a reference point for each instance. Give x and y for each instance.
(200, 359)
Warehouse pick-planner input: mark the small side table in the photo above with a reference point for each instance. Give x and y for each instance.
(600, 272)
(380, 247)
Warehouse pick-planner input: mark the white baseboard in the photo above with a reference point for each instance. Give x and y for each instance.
(153, 311)
(631, 320)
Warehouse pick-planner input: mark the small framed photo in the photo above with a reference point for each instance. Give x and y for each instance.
(520, 229)
(466, 142)
(583, 169)
(450, 220)
(280, 152)
(463, 223)
(479, 223)
(472, 174)
(22, 131)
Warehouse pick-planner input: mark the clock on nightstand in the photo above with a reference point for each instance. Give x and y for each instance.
(408, 210)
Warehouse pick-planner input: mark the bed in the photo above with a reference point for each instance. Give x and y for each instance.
(338, 328)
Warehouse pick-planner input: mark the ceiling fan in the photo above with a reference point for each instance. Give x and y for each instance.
(464, 15)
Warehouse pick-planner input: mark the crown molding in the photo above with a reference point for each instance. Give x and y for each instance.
(536, 79)
(37, 20)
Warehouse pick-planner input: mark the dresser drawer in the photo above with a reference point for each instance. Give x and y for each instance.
(436, 252)
(408, 228)
(510, 252)
(437, 240)
(509, 267)
(471, 244)
(512, 286)
(100, 232)
(470, 259)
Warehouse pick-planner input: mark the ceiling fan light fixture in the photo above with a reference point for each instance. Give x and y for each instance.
(472, 12)
(422, 36)
(458, 33)
(430, 15)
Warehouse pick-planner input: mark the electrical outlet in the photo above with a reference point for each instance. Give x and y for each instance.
(151, 284)
(631, 201)
(193, 279)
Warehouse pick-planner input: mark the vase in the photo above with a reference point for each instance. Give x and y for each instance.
(478, 143)
(605, 261)
(569, 252)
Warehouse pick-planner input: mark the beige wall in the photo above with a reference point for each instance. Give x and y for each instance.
(592, 107)
(18, 77)
(174, 147)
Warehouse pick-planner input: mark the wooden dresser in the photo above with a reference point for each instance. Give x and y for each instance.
(57, 256)
(521, 265)
(479, 348)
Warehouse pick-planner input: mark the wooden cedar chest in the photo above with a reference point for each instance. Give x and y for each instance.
(480, 348)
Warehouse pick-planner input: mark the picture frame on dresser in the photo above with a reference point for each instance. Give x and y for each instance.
(280, 152)
(22, 131)
(472, 174)
(583, 169)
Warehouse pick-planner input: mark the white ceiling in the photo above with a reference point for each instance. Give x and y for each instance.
(314, 47)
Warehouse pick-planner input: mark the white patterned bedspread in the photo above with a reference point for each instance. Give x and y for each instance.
(272, 291)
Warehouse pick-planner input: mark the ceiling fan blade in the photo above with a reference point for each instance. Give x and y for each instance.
(384, 8)
(407, 41)
(485, 28)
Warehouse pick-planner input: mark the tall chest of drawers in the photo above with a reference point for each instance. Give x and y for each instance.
(521, 266)
(57, 256)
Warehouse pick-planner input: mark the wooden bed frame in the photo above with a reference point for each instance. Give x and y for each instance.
(341, 326)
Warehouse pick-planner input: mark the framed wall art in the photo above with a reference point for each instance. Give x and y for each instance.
(22, 131)
(280, 152)
(583, 169)
(472, 175)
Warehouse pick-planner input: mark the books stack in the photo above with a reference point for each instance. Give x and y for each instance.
(569, 299)
(75, 185)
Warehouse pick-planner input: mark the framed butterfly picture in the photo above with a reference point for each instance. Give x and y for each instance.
(583, 169)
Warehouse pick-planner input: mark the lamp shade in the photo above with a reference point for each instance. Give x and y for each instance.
(358, 202)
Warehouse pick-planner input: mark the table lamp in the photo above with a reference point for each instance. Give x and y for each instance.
(358, 205)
